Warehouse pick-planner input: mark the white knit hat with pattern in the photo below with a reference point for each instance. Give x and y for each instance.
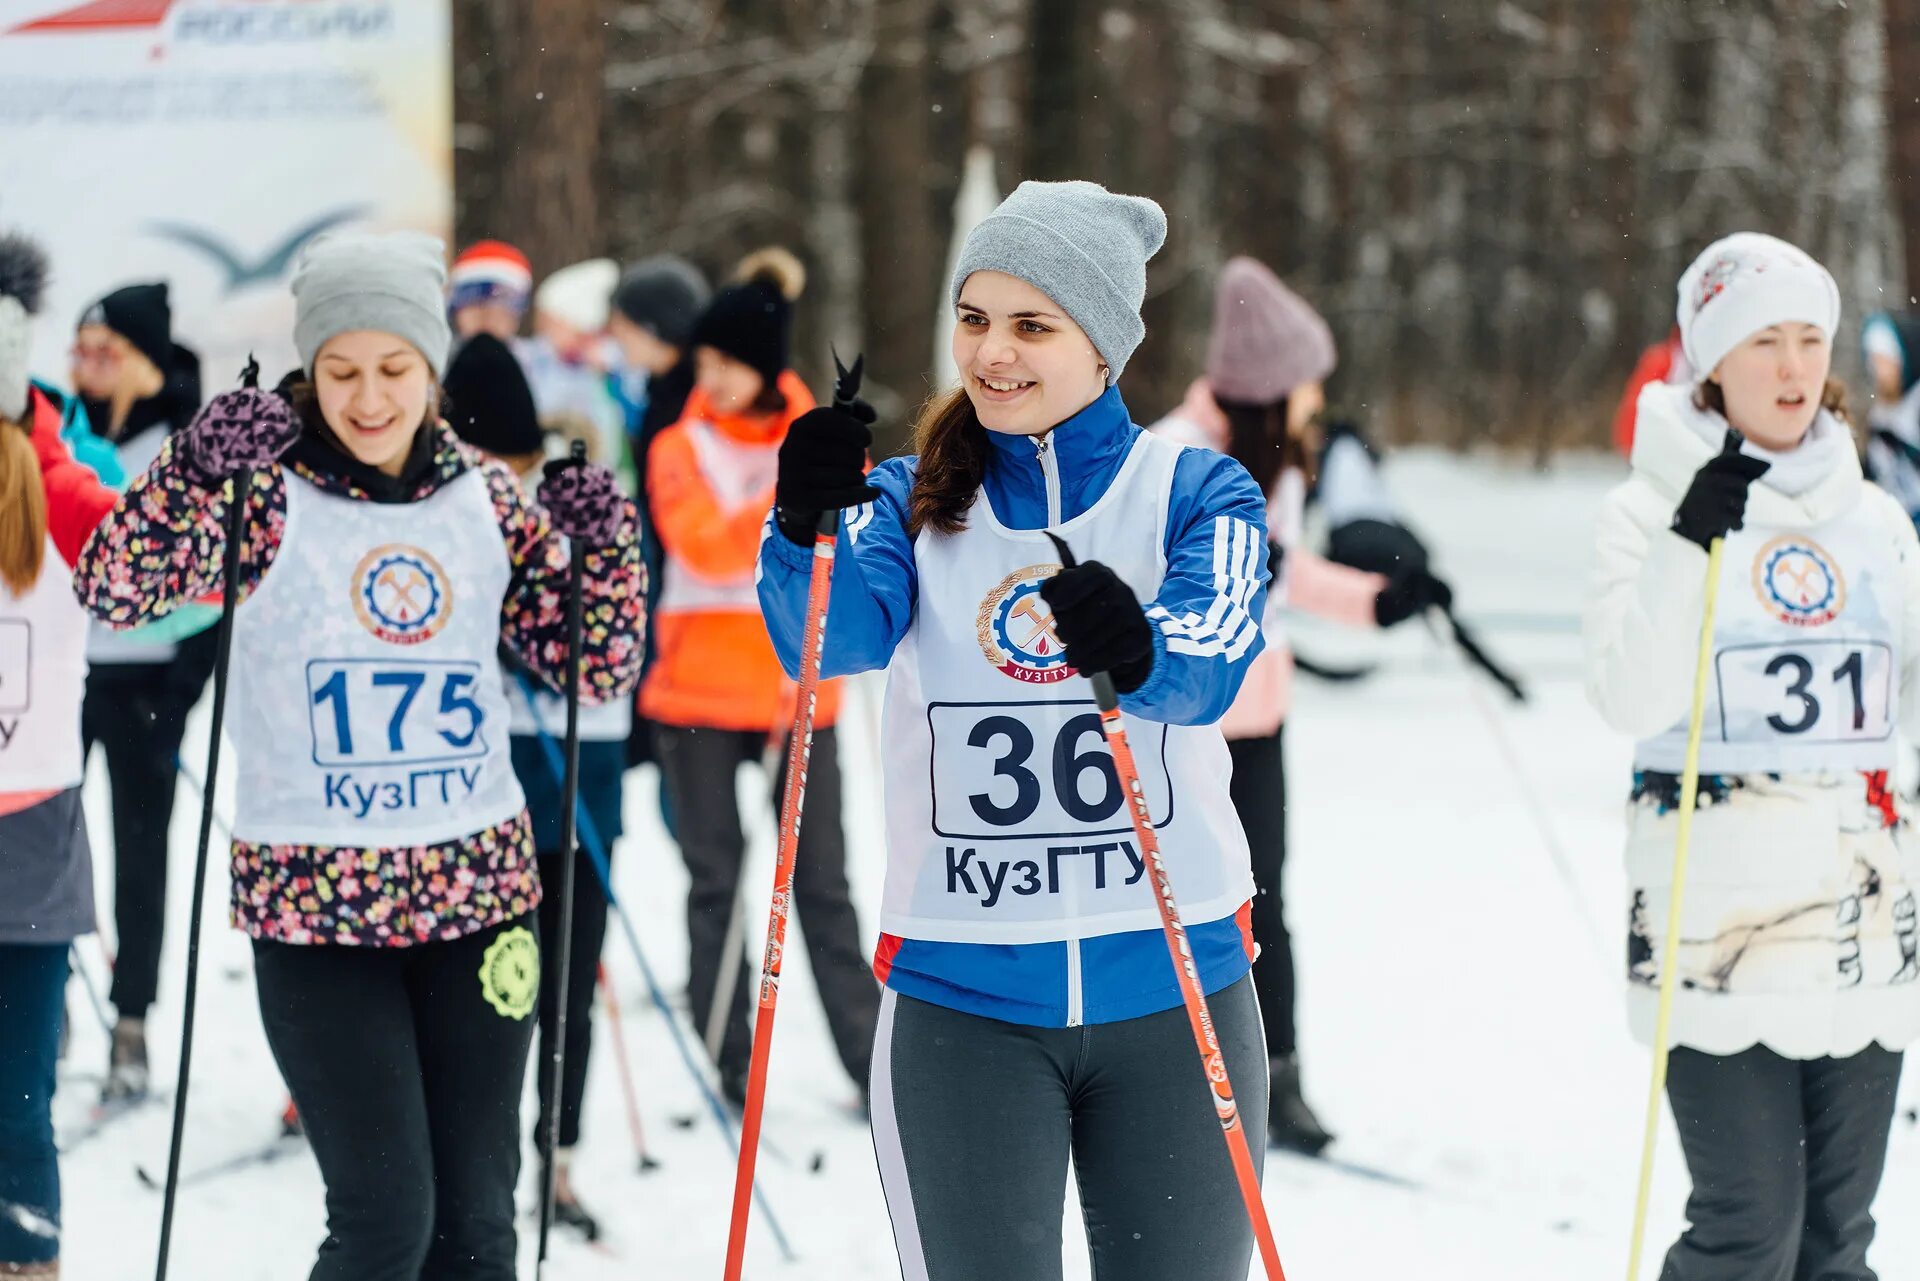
(1742, 283)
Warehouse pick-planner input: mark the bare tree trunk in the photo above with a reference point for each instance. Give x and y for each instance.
(834, 222)
(546, 131)
(896, 172)
(1902, 26)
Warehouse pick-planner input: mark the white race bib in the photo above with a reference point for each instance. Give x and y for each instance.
(1005, 820)
(43, 679)
(1805, 669)
(368, 708)
(1824, 691)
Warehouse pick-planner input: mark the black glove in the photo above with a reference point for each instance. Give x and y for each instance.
(1716, 502)
(1412, 591)
(822, 468)
(1099, 620)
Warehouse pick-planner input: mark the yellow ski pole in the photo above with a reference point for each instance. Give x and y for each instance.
(1670, 949)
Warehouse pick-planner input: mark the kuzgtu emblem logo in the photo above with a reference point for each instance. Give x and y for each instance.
(1799, 582)
(401, 594)
(1016, 629)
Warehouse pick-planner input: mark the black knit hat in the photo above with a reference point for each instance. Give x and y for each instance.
(141, 315)
(489, 404)
(752, 321)
(663, 295)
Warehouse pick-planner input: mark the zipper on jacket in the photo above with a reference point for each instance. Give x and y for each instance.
(1075, 1013)
(1043, 448)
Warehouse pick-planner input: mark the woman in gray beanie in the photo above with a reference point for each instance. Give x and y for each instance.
(1031, 1014)
(383, 861)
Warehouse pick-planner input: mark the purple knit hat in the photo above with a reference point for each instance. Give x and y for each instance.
(1266, 339)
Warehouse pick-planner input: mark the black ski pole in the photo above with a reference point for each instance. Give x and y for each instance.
(569, 797)
(242, 483)
(1470, 646)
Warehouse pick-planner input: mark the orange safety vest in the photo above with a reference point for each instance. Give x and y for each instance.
(710, 484)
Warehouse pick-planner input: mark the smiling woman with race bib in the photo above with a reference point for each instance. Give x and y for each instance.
(1799, 946)
(1031, 1011)
(383, 860)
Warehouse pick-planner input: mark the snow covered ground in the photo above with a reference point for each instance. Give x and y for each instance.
(1454, 892)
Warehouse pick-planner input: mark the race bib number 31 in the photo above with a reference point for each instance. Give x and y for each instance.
(373, 712)
(1016, 770)
(1835, 691)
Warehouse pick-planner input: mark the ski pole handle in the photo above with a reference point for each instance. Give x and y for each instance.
(1105, 696)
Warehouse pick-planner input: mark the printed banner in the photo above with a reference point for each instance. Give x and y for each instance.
(203, 142)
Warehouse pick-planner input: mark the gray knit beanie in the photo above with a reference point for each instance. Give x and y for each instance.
(1082, 246)
(393, 282)
(663, 295)
(1266, 339)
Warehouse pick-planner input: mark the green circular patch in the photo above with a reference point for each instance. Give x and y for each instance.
(510, 973)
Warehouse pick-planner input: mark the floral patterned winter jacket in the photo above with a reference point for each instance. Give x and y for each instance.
(162, 547)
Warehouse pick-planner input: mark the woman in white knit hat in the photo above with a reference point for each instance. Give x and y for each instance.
(1799, 954)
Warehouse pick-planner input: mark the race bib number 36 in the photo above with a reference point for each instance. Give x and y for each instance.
(373, 712)
(1835, 691)
(1004, 771)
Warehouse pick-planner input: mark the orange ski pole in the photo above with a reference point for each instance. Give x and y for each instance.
(1212, 1061)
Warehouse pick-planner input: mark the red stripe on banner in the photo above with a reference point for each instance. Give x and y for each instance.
(101, 15)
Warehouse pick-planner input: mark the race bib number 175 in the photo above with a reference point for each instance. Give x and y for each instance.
(373, 712)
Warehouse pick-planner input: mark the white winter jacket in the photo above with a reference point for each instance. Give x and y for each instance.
(1799, 927)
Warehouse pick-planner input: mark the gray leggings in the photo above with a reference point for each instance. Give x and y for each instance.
(974, 1120)
(1786, 1157)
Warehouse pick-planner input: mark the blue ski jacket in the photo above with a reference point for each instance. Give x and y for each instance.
(875, 585)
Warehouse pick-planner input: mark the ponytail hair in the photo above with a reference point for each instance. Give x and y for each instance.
(23, 510)
(952, 446)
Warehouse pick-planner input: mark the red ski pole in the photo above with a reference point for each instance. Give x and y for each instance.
(1212, 1061)
(793, 795)
(626, 1073)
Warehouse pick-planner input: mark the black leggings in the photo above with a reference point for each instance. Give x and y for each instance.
(974, 1120)
(589, 935)
(406, 1064)
(699, 766)
(134, 712)
(1259, 793)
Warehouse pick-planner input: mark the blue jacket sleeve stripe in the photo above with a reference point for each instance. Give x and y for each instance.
(861, 518)
(1227, 628)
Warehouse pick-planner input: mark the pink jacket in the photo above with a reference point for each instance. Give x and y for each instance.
(1306, 581)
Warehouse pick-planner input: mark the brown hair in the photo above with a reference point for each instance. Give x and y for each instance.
(23, 510)
(1833, 398)
(953, 460)
(1258, 439)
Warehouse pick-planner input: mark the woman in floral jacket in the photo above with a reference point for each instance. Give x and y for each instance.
(383, 861)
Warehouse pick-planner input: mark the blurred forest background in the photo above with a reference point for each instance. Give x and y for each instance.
(1490, 199)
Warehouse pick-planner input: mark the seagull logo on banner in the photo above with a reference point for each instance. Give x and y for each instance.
(241, 273)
